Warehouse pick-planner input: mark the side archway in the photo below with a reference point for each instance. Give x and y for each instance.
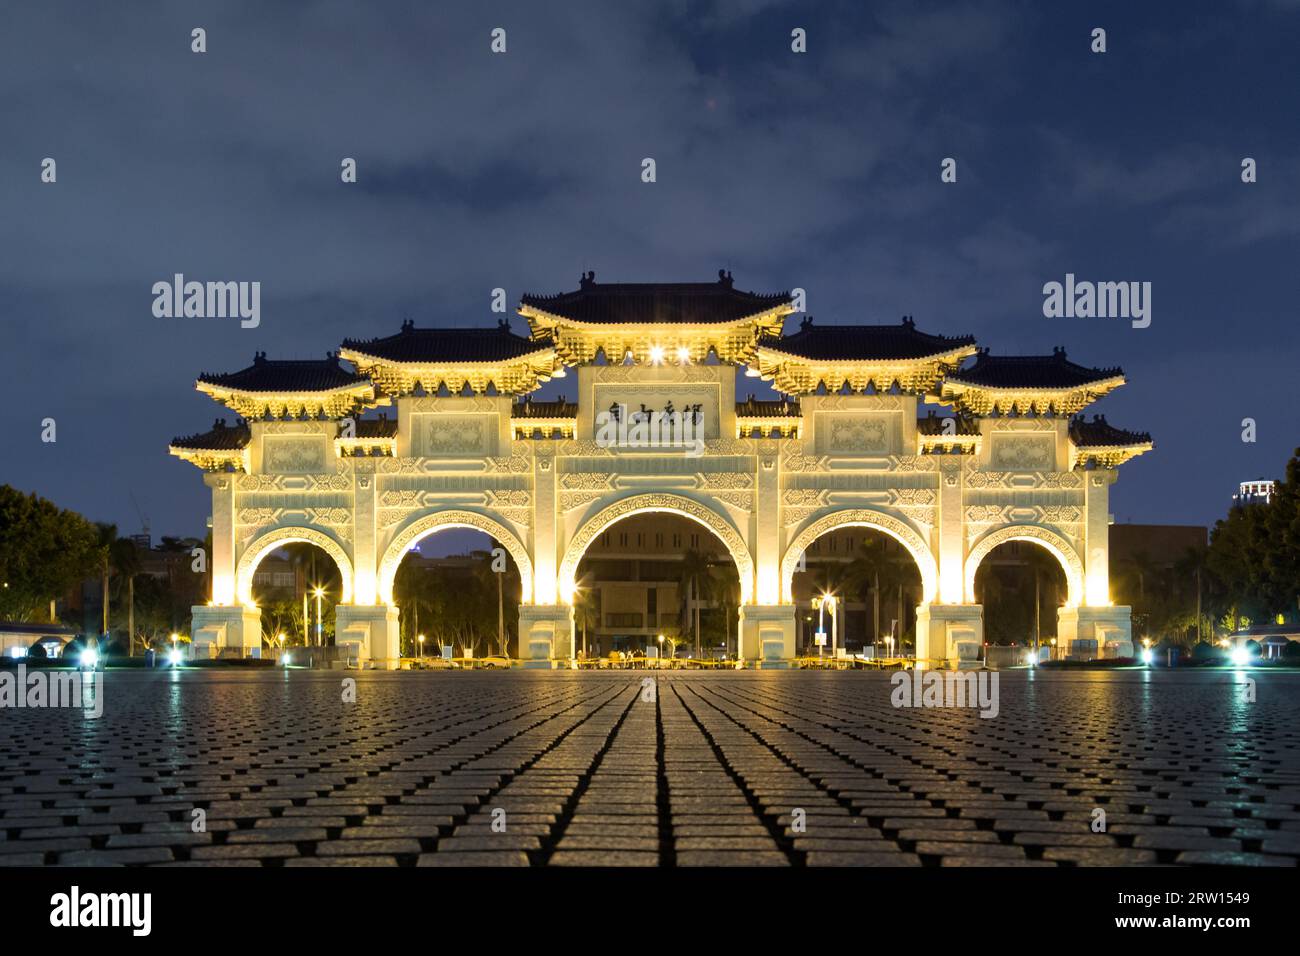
(1061, 549)
(862, 518)
(676, 504)
(427, 524)
(268, 541)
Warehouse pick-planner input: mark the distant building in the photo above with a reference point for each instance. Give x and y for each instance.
(1257, 492)
(18, 640)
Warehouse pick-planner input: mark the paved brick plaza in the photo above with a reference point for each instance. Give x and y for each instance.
(589, 773)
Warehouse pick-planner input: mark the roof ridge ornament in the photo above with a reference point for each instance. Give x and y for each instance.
(806, 323)
(408, 325)
(587, 279)
(724, 278)
(908, 323)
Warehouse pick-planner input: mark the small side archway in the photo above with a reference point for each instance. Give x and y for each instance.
(1054, 543)
(862, 518)
(427, 524)
(675, 504)
(269, 541)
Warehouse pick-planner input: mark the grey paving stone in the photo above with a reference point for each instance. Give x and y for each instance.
(710, 774)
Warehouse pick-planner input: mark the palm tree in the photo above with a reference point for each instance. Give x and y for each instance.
(1044, 568)
(105, 535)
(585, 612)
(694, 581)
(726, 590)
(1193, 564)
(125, 562)
(1143, 569)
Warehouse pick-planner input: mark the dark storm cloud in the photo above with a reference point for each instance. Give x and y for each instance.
(521, 170)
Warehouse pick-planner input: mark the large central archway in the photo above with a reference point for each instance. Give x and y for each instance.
(1061, 549)
(676, 504)
(265, 543)
(426, 525)
(863, 518)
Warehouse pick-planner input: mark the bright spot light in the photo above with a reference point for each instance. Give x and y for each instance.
(89, 657)
(1240, 657)
(175, 657)
(656, 354)
(17, 652)
(683, 354)
(1032, 659)
(285, 660)
(1147, 656)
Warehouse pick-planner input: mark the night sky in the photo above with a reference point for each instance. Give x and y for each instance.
(522, 170)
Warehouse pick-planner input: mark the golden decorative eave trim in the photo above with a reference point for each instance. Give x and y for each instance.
(515, 376)
(948, 444)
(769, 426)
(361, 447)
(796, 375)
(1107, 456)
(983, 399)
(525, 428)
(254, 406)
(733, 340)
(208, 459)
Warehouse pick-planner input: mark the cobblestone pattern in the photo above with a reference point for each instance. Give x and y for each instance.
(563, 769)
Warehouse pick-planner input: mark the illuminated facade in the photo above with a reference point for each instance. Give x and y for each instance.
(461, 445)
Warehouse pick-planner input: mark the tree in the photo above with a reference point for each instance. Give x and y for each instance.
(45, 551)
(694, 583)
(106, 536)
(585, 613)
(124, 561)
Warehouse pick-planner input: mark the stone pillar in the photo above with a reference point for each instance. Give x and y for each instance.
(545, 562)
(365, 557)
(546, 635)
(229, 631)
(766, 636)
(1094, 633)
(1096, 537)
(951, 532)
(222, 558)
(951, 634)
(767, 534)
(368, 635)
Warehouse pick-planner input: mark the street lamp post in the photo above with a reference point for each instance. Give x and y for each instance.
(829, 600)
(320, 640)
(661, 650)
(420, 638)
(821, 624)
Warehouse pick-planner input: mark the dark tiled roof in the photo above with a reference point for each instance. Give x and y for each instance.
(1099, 432)
(435, 346)
(764, 408)
(934, 424)
(1029, 371)
(680, 303)
(381, 427)
(37, 630)
(221, 437)
(532, 409)
(864, 343)
(282, 375)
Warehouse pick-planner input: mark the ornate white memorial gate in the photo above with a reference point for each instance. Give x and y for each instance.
(1010, 461)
